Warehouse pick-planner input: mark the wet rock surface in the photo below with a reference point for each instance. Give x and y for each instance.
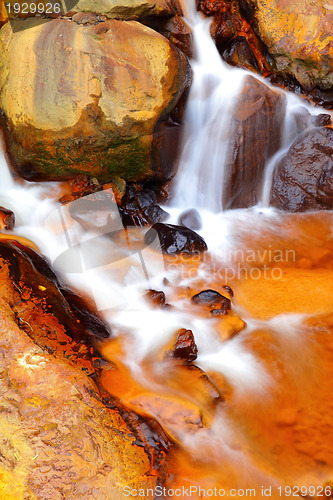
(256, 131)
(71, 436)
(303, 179)
(209, 297)
(7, 219)
(289, 43)
(185, 347)
(61, 124)
(139, 207)
(176, 239)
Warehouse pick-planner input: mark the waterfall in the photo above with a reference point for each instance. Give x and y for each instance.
(209, 135)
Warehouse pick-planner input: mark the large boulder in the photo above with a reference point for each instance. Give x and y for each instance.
(91, 99)
(303, 179)
(255, 135)
(298, 36)
(62, 436)
(129, 9)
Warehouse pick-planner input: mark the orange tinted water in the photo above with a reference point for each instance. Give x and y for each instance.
(273, 432)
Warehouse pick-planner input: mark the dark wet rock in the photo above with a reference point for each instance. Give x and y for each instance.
(185, 346)
(176, 239)
(322, 120)
(211, 298)
(155, 298)
(154, 214)
(145, 198)
(239, 53)
(190, 218)
(7, 219)
(303, 179)
(31, 271)
(256, 132)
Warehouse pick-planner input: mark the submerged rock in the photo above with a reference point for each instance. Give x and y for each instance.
(176, 239)
(255, 135)
(303, 179)
(67, 109)
(190, 218)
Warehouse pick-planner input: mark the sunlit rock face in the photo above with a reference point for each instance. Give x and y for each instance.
(298, 35)
(62, 435)
(91, 99)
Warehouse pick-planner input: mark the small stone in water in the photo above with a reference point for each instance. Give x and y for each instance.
(7, 219)
(185, 346)
(211, 297)
(156, 298)
(176, 239)
(190, 218)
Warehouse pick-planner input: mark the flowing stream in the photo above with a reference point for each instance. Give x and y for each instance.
(261, 372)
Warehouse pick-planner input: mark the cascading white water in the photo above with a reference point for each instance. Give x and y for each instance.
(208, 135)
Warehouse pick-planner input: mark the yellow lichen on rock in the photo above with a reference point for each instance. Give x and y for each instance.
(299, 37)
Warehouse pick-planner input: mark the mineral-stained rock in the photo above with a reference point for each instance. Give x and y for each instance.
(298, 36)
(256, 131)
(185, 346)
(90, 99)
(209, 297)
(177, 31)
(129, 9)
(176, 239)
(62, 434)
(303, 179)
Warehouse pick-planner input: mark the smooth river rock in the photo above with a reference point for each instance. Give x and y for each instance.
(303, 179)
(92, 99)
